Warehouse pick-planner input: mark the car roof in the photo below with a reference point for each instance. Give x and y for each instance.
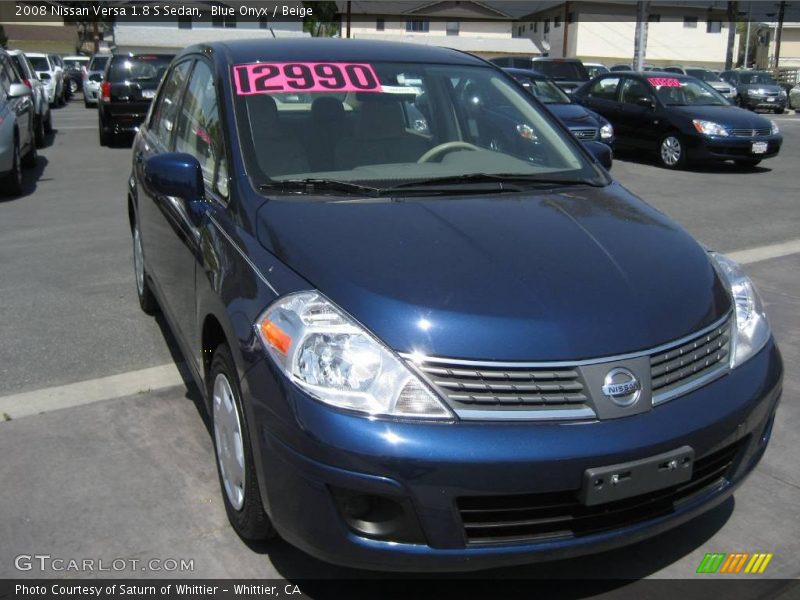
(553, 59)
(37, 54)
(333, 49)
(526, 73)
(75, 57)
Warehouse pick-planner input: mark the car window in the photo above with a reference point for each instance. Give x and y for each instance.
(198, 129)
(686, 92)
(756, 78)
(634, 90)
(5, 75)
(387, 123)
(143, 68)
(604, 89)
(98, 63)
(570, 71)
(166, 109)
(39, 63)
(544, 90)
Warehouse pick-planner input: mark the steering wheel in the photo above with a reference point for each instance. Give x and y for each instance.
(446, 147)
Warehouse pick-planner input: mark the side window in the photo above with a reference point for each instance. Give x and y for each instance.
(166, 111)
(604, 89)
(198, 129)
(5, 75)
(634, 90)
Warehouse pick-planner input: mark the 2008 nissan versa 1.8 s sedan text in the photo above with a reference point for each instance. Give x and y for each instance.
(446, 347)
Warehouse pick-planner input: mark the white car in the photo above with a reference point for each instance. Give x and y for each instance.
(93, 78)
(43, 118)
(51, 74)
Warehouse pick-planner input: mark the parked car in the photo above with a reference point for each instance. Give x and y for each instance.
(128, 86)
(50, 75)
(673, 69)
(93, 78)
(595, 69)
(583, 123)
(794, 97)
(43, 117)
(75, 67)
(17, 134)
(61, 71)
(757, 89)
(680, 118)
(450, 350)
(568, 73)
(620, 67)
(723, 87)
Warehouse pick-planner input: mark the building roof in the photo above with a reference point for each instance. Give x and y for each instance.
(480, 45)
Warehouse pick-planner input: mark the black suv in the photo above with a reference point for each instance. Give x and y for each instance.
(128, 87)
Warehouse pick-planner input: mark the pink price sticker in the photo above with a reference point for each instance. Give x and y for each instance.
(297, 77)
(664, 82)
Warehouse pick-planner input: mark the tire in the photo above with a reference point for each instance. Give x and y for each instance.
(86, 104)
(12, 183)
(147, 300)
(103, 135)
(30, 158)
(39, 131)
(73, 87)
(672, 151)
(779, 111)
(747, 163)
(233, 451)
(48, 122)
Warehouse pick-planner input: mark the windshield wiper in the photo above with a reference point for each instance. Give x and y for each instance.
(504, 182)
(312, 186)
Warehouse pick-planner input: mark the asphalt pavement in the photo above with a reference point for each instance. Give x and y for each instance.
(115, 460)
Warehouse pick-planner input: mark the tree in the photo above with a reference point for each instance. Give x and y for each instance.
(322, 20)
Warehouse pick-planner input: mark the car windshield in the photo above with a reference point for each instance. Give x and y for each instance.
(98, 63)
(686, 92)
(703, 75)
(757, 77)
(19, 64)
(545, 91)
(568, 71)
(395, 124)
(39, 63)
(595, 70)
(139, 68)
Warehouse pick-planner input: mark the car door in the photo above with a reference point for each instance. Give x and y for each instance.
(637, 121)
(168, 235)
(22, 107)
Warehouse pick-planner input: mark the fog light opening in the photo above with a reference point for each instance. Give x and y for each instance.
(378, 517)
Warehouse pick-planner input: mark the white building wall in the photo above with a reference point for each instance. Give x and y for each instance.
(169, 35)
(397, 27)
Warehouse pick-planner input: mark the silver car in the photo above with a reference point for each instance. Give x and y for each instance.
(93, 78)
(794, 97)
(727, 90)
(17, 140)
(43, 119)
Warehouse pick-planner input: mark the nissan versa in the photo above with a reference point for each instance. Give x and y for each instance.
(447, 347)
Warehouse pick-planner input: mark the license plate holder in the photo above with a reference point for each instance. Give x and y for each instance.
(625, 480)
(759, 147)
(770, 99)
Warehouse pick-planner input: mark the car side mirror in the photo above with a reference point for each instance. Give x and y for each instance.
(179, 177)
(602, 153)
(646, 102)
(18, 90)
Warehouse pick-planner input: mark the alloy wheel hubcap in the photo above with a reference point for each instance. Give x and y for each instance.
(138, 263)
(670, 151)
(228, 438)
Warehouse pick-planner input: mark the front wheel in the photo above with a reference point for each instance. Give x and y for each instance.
(235, 465)
(48, 122)
(779, 111)
(39, 132)
(671, 151)
(12, 184)
(30, 158)
(147, 301)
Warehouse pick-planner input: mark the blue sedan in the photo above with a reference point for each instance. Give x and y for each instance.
(439, 342)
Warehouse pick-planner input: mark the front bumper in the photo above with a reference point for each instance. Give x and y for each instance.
(306, 451)
(91, 91)
(765, 103)
(732, 148)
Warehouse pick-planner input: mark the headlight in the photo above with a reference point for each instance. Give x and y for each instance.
(774, 128)
(606, 132)
(752, 329)
(752, 92)
(782, 93)
(709, 127)
(338, 362)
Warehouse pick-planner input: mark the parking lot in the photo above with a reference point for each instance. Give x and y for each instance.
(105, 450)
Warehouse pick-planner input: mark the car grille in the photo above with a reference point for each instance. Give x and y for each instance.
(585, 134)
(724, 91)
(536, 517)
(488, 385)
(750, 132)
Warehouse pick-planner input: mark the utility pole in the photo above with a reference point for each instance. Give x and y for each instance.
(778, 31)
(747, 41)
(640, 43)
(732, 10)
(348, 18)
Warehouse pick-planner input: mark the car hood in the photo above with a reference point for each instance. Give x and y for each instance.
(582, 273)
(760, 86)
(572, 114)
(719, 85)
(729, 116)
